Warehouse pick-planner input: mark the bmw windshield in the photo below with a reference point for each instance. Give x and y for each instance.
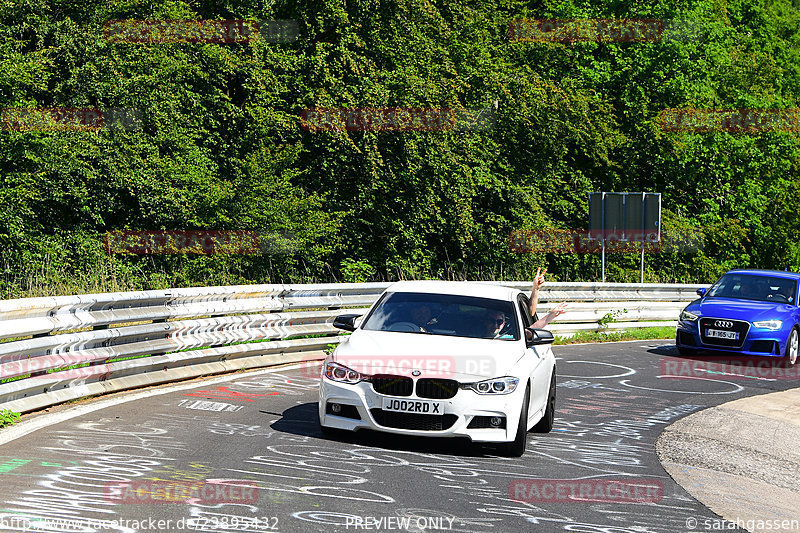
(755, 287)
(444, 314)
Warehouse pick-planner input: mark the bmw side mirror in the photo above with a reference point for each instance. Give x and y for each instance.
(701, 292)
(538, 337)
(345, 322)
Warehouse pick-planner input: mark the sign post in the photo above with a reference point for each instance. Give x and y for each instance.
(624, 216)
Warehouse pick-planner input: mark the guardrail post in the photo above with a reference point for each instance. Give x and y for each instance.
(99, 327)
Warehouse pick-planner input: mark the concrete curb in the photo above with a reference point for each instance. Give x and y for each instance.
(740, 459)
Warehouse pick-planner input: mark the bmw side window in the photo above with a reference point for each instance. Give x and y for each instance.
(525, 322)
(527, 313)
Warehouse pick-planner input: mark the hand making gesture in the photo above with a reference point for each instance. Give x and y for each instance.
(538, 281)
(561, 308)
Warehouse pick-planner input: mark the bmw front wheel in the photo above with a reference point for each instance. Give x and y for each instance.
(545, 425)
(516, 447)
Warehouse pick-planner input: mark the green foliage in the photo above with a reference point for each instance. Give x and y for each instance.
(611, 317)
(356, 271)
(222, 146)
(8, 418)
(615, 336)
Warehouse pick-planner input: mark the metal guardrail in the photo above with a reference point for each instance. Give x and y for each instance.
(61, 348)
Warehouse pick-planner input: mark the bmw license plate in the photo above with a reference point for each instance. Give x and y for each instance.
(720, 334)
(412, 406)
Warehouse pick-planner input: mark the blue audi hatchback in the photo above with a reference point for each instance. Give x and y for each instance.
(750, 312)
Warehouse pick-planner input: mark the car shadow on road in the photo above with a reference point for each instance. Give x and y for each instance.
(665, 349)
(303, 420)
(724, 365)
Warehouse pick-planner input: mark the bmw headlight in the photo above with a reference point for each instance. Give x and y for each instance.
(768, 324)
(342, 374)
(504, 385)
(686, 316)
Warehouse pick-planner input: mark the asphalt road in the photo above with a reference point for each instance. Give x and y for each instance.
(244, 453)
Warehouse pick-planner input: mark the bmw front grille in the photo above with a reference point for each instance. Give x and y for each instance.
(392, 385)
(436, 389)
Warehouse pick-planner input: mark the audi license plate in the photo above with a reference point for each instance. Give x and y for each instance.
(720, 334)
(412, 406)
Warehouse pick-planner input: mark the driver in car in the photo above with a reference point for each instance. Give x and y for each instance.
(786, 293)
(494, 322)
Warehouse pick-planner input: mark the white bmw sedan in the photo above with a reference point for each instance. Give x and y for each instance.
(444, 359)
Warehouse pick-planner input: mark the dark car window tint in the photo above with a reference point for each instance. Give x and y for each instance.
(444, 314)
(755, 287)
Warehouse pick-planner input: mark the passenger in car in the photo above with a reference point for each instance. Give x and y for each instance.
(747, 292)
(560, 309)
(541, 323)
(422, 317)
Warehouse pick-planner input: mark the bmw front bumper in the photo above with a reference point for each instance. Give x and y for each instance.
(464, 415)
